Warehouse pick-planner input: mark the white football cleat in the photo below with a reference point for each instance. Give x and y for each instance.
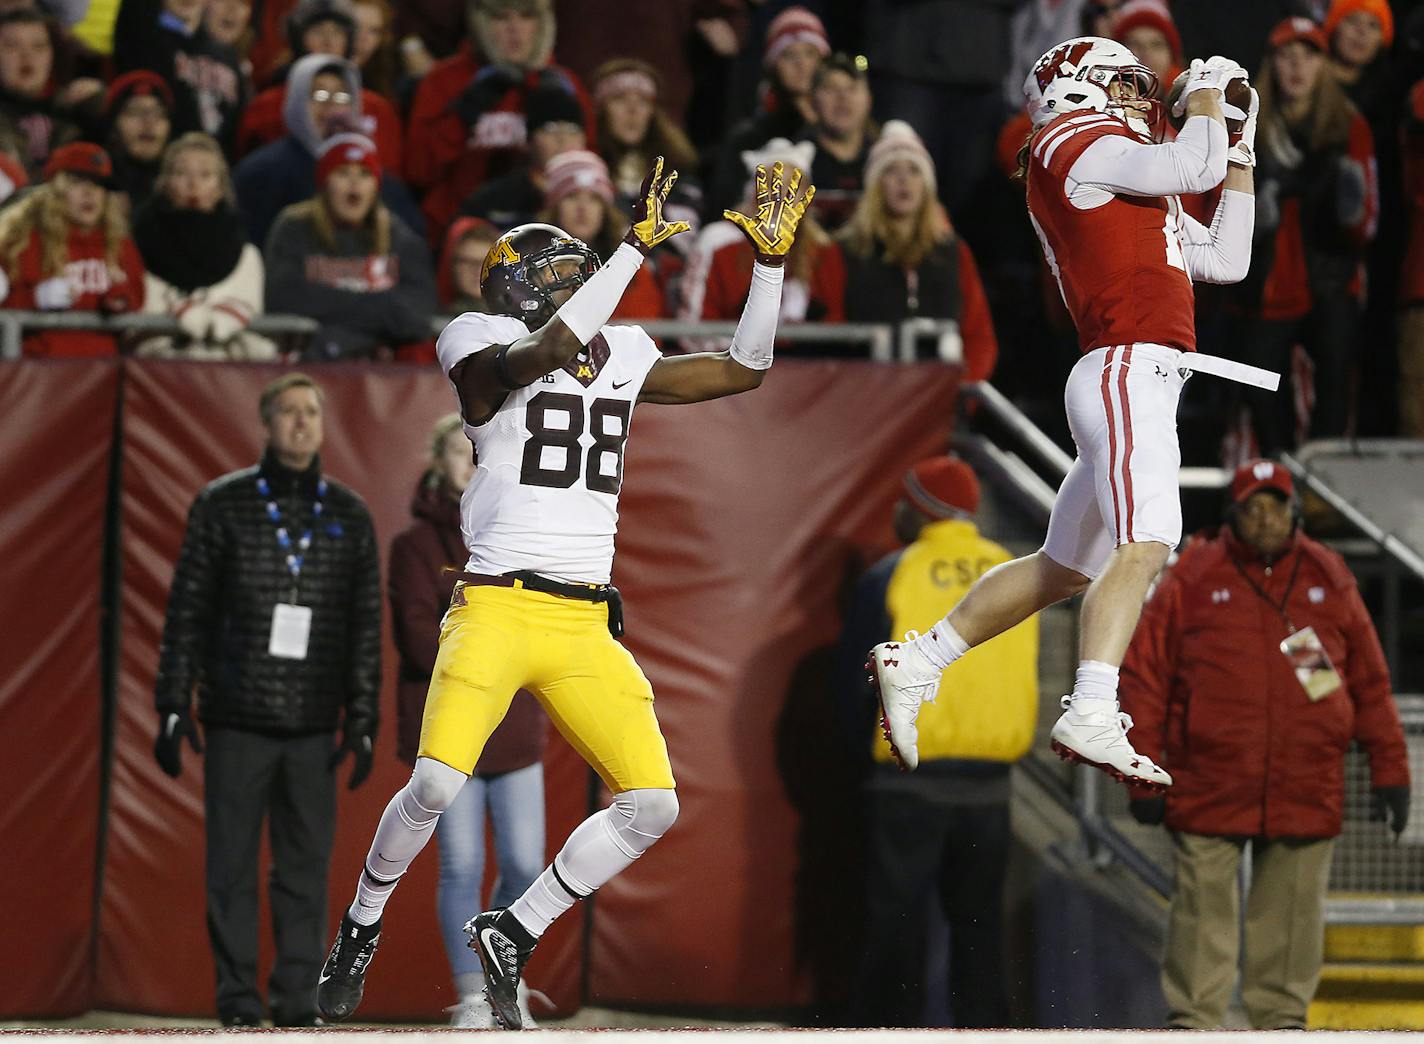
(903, 680)
(1100, 740)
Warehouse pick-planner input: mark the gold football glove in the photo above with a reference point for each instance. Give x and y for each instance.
(778, 212)
(649, 227)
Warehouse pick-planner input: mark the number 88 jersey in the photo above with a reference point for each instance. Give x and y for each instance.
(550, 461)
(1117, 258)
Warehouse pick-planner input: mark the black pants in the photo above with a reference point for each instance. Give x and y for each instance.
(250, 778)
(920, 847)
(1329, 335)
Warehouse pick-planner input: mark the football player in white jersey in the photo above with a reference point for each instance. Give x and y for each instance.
(547, 391)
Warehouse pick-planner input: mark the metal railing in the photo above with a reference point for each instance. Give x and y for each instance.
(886, 342)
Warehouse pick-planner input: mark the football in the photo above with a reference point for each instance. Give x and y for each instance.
(1238, 93)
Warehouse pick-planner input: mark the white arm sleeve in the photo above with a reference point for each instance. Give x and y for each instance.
(756, 330)
(592, 305)
(1195, 162)
(1222, 253)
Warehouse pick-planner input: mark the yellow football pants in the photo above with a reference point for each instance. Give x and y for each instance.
(495, 641)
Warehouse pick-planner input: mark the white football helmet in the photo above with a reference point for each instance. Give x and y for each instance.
(1090, 72)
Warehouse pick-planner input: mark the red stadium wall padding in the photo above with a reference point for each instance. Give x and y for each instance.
(185, 424)
(55, 438)
(742, 520)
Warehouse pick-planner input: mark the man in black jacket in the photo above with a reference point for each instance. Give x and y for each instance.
(274, 618)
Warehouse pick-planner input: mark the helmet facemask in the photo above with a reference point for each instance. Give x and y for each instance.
(562, 265)
(1134, 96)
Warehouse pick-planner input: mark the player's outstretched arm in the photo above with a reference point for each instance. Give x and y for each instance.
(486, 378)
(780, 204)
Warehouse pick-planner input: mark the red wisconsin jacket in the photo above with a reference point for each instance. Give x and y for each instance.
(420, 589)
(95, 287)
(449, 160)
(1215, 701)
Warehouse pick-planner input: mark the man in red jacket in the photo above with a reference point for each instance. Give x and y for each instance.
(1253, 668)
(467, 123)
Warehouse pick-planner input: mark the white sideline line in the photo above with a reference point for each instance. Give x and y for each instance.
(725, 1036)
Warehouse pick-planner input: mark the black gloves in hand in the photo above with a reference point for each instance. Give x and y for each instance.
(1148, 811)
(484, 92)
(168, 748)
(1392, 804)
(358, 744)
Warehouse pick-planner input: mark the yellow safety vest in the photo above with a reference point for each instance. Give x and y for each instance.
(988, 701)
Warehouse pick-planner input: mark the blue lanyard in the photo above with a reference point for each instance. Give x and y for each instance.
(284, 539)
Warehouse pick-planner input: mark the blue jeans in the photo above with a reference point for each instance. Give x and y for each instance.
(515, 801)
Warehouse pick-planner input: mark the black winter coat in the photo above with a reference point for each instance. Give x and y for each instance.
(232, 572)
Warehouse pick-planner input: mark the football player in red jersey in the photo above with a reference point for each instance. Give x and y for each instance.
(1103, 197)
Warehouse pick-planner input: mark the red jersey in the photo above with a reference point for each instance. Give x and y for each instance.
(1119, 264)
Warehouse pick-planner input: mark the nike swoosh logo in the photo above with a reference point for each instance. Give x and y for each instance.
(616, 385)
(324, 977)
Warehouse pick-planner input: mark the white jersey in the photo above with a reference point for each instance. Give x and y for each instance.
(545, 494)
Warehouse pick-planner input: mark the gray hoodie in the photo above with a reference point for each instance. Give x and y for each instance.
(299, 85)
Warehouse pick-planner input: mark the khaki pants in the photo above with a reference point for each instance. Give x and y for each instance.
(1285, 930)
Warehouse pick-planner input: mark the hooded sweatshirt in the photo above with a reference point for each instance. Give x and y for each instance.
(284, 172)
(266, 120)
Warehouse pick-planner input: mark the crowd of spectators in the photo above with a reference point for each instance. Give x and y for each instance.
(346, 160)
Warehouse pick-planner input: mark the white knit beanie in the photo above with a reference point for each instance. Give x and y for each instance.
(898, 141)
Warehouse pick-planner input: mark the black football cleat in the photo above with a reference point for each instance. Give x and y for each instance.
(504, 947)
(343, 978)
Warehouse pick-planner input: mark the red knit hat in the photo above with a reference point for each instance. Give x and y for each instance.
(341, 149)
(1379, 8)
(1289, 30)
(1256, 475)
(139, 83)
(794, 25)
(82, 159)
(943, 487)
(1148, 14)
(568, 172)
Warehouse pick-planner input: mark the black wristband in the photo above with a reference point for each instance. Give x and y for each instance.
(501, 370)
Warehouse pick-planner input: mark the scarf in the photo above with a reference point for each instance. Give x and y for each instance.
(188, 248)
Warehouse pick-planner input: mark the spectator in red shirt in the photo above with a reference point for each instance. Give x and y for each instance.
(467, 124)
(1317, 205)
(578, 197)
(1254, 667)
(903, 259)
(66, 246)
(321, 27)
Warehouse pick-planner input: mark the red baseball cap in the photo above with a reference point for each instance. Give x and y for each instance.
(83, 159)
(1256, 475)
(1289, 30)
(943, 487)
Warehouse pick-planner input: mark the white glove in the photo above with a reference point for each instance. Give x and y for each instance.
(1213, 74)
(226, 325)
(195, 320)
(1243, 150)
(54, 294)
